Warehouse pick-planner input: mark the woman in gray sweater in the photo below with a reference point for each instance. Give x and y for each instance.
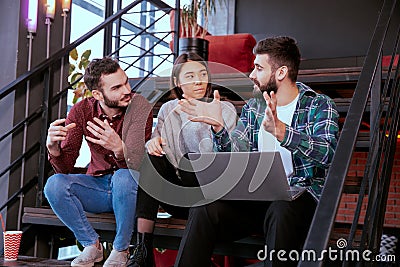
(173, 137)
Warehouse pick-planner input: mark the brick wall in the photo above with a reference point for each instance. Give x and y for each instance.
(349, 201)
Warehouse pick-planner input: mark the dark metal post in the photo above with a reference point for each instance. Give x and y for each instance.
(117, 42)
(108, 12)
(177, 23)
(143, 37)
(374, 108)
(43, 136)
(150, 61)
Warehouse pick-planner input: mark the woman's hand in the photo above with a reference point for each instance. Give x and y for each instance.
(154, 146)
(209, 113)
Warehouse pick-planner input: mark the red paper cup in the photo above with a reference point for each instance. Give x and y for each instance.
(12, 240)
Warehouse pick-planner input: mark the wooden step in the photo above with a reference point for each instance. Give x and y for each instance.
(46, 216)
(167, 233)
(33, 261)
(352, 185)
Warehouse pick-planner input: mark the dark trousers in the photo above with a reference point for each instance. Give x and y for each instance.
(285, 225)
(147, 206)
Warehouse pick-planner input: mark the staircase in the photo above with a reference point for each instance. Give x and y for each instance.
(381, 89)
(367, 98)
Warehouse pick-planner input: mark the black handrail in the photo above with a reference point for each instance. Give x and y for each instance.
(136, 35)
(373, 159)
(322, 224)
(29, 152)
(146, 52)
(64, 51)
(373, 221)
(23, 190)
(147, 75)
(35, 114)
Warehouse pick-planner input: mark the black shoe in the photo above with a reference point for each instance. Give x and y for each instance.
(142, 253)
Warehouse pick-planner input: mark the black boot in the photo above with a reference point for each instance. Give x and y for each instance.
(142, 253)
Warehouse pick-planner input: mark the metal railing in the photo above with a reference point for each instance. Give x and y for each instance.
(44, 69)
(383, 140)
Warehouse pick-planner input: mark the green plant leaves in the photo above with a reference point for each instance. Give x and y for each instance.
(74, 54)
(77, 67)
(86, 55)
(71, 69)
(76, 76)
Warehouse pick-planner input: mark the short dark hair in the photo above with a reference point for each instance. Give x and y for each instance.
(282, 51)
(176, 70)
(96, 68)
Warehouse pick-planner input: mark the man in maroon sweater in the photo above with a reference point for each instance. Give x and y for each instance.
(109, 185)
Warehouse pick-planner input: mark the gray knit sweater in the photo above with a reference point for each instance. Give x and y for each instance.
(183, 136)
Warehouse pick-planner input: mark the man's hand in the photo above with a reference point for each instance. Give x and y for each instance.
(55, 134)
(154, 146)
(271, 123)
(198, 111)
(106, 137)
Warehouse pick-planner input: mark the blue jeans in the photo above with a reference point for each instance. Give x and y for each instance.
(70, 195)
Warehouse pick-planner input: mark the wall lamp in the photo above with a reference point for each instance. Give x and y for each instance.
(32, 16)
(66, 5)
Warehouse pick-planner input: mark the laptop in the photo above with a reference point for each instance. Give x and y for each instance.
(258, 176)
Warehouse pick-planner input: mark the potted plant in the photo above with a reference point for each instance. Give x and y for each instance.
(192, 35)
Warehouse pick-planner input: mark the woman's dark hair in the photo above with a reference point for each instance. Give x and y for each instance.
(96, 68)
(180, 60)
(282, 51)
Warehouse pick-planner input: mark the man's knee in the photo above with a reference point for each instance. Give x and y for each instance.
(287, 215)
(210, 212)
(125, 180)
(55, 186)
(279, 212)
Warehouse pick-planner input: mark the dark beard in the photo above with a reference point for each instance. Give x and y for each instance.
(110, 103)
(269, 87)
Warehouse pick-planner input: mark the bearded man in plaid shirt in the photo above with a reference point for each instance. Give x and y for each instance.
(304, 126)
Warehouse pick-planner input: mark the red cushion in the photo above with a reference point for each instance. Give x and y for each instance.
(234, 50)
(386, 60)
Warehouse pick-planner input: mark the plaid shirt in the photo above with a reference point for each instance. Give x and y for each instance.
(312, 137)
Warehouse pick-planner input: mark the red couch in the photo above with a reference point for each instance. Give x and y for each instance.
(234, 50)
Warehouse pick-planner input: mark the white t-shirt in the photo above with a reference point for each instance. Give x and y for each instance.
(268, 142)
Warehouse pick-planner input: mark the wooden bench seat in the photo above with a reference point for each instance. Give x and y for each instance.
(167, 233)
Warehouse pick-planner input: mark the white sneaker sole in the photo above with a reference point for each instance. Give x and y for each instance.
(87, 265)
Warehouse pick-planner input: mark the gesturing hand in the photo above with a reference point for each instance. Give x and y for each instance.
(271, 123)
(198, 111)
(57, 133)
(106, 137)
